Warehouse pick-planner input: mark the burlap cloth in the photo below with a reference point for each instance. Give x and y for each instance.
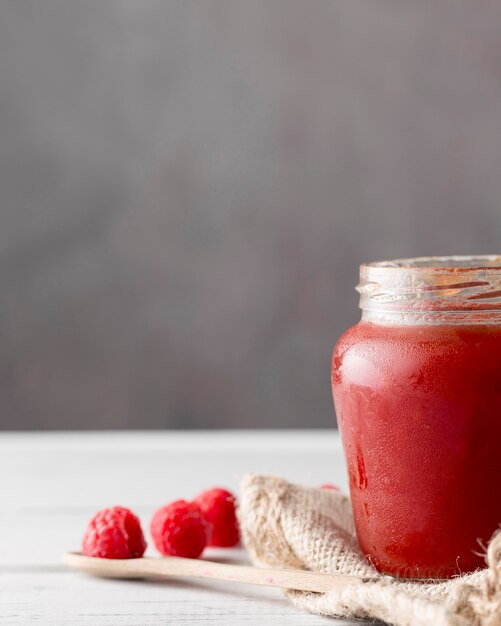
(290, 526)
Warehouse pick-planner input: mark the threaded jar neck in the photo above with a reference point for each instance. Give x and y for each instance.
(432, 290)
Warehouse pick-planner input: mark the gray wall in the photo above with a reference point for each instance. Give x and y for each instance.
(188, 186)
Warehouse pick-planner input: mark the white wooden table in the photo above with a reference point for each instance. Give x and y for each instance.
(52, 483)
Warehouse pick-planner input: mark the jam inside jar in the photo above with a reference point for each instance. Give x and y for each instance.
(417, 391)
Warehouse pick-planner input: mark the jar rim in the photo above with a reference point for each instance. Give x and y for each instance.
(452, 263)
(452, 287)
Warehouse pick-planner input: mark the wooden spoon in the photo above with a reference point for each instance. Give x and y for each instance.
(180, 567)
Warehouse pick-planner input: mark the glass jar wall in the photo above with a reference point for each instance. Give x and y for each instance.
(417, 391)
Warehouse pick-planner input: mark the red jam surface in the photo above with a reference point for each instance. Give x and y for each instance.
(419, 409)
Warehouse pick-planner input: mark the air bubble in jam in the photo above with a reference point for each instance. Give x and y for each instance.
(361, 474)
(416, 379)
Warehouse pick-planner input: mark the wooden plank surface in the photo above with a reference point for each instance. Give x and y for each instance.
(52, 484)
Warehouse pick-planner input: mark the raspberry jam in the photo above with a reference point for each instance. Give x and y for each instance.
(417, 390)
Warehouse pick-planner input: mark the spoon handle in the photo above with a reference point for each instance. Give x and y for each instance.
(181, 567)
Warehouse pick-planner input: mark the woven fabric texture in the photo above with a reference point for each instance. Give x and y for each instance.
(290, 526)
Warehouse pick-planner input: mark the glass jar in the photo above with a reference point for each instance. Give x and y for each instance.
(417, 391)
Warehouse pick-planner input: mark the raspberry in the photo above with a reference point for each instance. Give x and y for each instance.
(179, 529)
(218, 508)
(114, 533)
(329, 486)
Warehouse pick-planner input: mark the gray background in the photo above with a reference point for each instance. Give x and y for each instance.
(188, 187)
